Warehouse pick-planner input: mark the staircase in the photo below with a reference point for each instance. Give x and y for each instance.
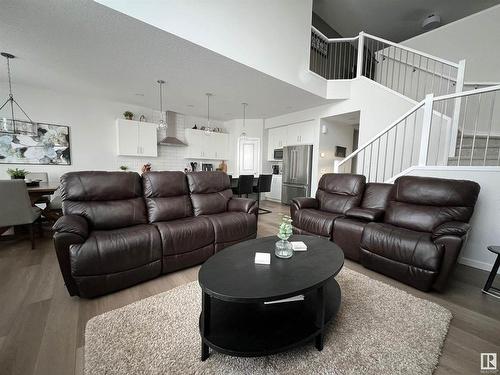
(479, 150)
(448, 127)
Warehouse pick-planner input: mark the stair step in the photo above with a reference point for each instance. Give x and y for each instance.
(476, 162)
(478, 142)
(491, 153)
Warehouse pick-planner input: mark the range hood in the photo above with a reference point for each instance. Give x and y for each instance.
(170, 139)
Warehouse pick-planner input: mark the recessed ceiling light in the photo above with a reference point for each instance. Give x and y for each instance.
(138, 94)
(190, 105)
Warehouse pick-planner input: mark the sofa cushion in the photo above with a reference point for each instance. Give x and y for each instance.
(423, 203)
(233, 226)
(184, 235)
(402, 245)
(315, 221)
(376, 195)
(339, 192)
(167, 196)
(210, 192)
(108, 200)
(111, 251)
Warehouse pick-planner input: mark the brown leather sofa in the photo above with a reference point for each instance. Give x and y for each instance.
(412, 231)
(119, 229)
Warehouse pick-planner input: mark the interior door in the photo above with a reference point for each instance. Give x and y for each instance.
(248, 156)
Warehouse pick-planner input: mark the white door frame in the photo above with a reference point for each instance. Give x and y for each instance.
(241, 141)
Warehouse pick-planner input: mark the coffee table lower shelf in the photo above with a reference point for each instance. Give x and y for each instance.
(257, 329)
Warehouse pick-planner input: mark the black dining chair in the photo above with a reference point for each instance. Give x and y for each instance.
(263, 186)
(245, 185)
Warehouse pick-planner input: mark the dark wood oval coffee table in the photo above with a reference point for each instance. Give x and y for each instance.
(237, 318)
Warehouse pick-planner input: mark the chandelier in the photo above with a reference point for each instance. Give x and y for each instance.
(12, 125)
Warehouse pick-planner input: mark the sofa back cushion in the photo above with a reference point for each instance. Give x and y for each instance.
(338, 192)
(167, 196)
(376, 195)
(423, 203)
(210, 192)
(108, 200)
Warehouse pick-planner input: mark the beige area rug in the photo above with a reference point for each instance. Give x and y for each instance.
(378, 330)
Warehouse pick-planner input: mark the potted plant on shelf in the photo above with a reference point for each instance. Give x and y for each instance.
(124, 168)
(16, 174)
(128, 115)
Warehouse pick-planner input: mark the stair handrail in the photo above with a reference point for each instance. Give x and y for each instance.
(381, 133)
(394, 44)
(412, 50)
(467, 93)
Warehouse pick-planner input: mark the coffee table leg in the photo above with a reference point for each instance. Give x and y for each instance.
(205, 324)
(320, 317)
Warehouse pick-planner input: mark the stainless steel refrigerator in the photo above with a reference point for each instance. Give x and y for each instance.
(297, 163)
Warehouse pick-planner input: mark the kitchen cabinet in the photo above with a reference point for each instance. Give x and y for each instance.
(135, 138)
(276, 139)
(275, 193)
(291, 135)
(300, 134)
(203, 145)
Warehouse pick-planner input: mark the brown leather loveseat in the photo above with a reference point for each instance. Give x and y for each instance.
(120, 229)
(412, 231)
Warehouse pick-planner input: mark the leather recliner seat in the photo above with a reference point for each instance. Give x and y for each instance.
(424, 228)
(119, 229)
(412, 231)
(337, 193)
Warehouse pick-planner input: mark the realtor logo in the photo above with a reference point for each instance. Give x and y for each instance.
(488, 361)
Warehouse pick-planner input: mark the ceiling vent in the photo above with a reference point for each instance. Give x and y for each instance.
(431, 22)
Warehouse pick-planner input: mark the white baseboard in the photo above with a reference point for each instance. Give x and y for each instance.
(476, 264)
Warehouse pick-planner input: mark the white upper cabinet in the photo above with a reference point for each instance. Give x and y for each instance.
(135, 138)
(214, 146)
(276, 140)
(300, 134)
(291, 135)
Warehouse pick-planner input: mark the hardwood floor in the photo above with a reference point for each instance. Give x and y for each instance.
(42, 328)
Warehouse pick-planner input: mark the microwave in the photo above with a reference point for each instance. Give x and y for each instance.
(278, 154)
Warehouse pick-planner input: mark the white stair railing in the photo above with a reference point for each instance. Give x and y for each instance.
(425, 136)
(403, 69)
(389, 152)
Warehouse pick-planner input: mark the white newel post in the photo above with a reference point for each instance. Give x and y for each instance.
(453, 132)
(426, 129)
(359, 64)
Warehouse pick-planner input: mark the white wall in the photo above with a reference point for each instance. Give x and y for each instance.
(486, 216)
(475, 38)
(93, 132)
(337, 134)
(378, 107)
(270, 36)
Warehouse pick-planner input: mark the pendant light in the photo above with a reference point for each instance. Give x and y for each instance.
(208, 129)
(162, 124)
(10, 100)
(244, 133)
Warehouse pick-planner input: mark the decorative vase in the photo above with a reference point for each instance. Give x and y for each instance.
(283, 249)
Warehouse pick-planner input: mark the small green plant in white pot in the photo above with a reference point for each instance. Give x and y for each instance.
(123, 168)
(16, 173)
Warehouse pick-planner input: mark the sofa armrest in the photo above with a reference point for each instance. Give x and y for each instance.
(366, 214)
(74, 224)
(451, 228)
(246, 205)
(305, 202)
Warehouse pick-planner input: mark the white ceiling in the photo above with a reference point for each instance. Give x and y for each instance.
(395, 20)
(82, 47)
